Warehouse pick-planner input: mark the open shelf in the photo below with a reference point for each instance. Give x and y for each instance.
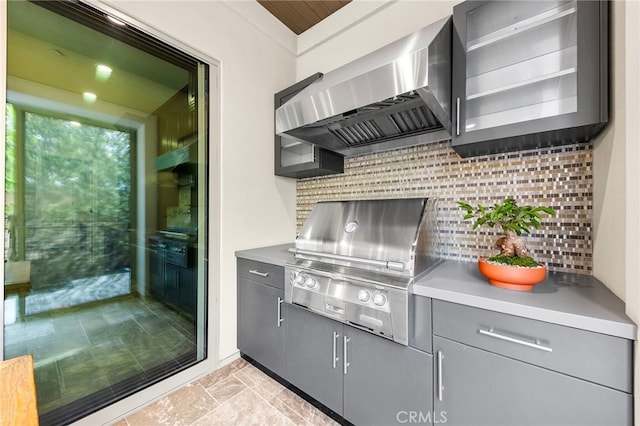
(549, 108)
(523, 83)
(521, 26)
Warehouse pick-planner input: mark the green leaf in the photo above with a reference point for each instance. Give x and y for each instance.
(507, 215)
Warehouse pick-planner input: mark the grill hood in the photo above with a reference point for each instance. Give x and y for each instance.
(397, 96)
(393, 237)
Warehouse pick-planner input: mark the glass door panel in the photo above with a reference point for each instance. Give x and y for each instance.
(293, 153)
(105, 212)
(507, 83)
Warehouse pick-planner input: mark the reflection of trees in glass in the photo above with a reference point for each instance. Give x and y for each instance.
(10, 158)
(75, 173)
(77, 187)
(11, 251)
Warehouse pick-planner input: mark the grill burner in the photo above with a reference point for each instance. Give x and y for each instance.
(357, 259)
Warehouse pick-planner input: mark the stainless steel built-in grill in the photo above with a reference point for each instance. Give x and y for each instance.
(355, 261)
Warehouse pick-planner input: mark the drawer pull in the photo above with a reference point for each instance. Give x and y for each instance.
(536, 345)
(261, 274)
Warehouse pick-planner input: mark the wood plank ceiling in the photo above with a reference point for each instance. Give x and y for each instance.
(300, 15)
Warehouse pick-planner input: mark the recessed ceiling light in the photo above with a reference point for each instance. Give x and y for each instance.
(89, 97)
(103, 72)
(115, 21)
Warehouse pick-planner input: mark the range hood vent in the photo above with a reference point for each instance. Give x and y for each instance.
(180, 161)
(394, 97)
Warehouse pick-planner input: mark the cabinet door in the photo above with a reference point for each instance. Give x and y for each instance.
(385, 383)
(172, 284)
(476, 387)
(260, 332)
(188, 282)
(156, 272)
(528, 74)
(314, 355)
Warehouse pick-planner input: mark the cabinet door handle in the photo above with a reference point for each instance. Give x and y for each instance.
(439, 383)
(336, 336)
(345, 362)
(457, 116)
(261, 274)
(535, 345)
(280, 300)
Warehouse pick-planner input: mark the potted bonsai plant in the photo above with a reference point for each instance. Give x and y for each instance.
(513, 267)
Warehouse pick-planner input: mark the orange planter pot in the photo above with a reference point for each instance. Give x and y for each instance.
(511, 277)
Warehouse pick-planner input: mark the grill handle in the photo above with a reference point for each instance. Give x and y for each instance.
(388, 264)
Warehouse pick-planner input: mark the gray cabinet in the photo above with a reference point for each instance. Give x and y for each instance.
(299, 159)
(260, 322)
(366, 379)
(496, 369)
(314, 356)
(156, 269)
(172, 284)
(385, 383)
(528, 74)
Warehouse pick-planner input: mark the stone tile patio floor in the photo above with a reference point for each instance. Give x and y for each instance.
(237, 394)
(93, 347)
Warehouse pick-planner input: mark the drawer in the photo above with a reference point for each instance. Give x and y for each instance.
(265, 273)
(595, 357)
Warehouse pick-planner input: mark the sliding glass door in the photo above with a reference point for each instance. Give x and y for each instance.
(105, 206)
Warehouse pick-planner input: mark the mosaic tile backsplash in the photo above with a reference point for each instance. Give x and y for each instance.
(559, 177)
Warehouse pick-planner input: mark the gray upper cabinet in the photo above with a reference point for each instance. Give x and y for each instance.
(528, 74)
(294, 158)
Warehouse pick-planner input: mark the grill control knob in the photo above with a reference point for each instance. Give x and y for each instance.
(379, 299)
(310, 282)
(299, 279)
(364, 296)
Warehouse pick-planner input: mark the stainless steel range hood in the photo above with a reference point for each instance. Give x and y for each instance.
(181, 160)
(397, 96)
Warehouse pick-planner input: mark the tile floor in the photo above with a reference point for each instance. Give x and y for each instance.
(97, 350)
(237, 394)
